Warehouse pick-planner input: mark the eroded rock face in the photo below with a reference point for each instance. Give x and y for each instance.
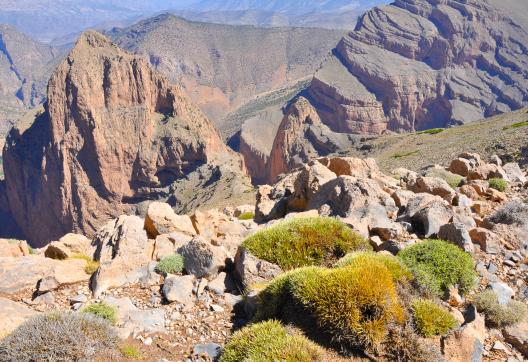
(418, 64)
(113, 133)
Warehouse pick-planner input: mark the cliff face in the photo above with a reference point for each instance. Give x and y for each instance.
(113, 133)
(418, 64)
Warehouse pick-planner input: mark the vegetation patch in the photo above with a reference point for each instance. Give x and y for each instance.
(431, 319)
(398, 270)
(60, 337)
(498, 315)
(102, 310)
(452, 179)
(432, 131)
(355, 303)
(246, 216)
(305, 241)
(516, 125)
(405, 154)
(268, 342)
(498, 184)
(130, 352)
(438, 265)
(91, 265)
(170, 264)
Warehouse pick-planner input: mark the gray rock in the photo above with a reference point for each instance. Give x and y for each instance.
(458, 235)
(427, 213)
(221, 284)
(249, 269)
(212, 350)
(203, 259)
(514, 172)
(47, 284)
(179, 288)
(80, 298)
(503, 291)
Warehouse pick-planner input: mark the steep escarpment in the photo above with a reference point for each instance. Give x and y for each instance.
(113, 133)
(418, 64)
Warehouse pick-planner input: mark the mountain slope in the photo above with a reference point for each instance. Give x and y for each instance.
(113, 134)
(222, 66)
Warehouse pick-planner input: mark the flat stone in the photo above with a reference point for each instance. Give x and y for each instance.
(179, 288)
(503, 291)
(212, 350)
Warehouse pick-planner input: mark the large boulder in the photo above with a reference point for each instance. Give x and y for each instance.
(349, 166)
(466, 343)
(12, 315)
(123, 252)
(310, 179)
(179, 289)
(514, 172)
(251, 270)
(13, 248)
(70, 245)
(202, 259)
(488, 241)
(427, 213)
(168, 244)
(161, 219)
(433, 186)
(457, 234)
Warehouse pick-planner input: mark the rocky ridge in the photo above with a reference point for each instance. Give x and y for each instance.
(112, 134)
(182, 315)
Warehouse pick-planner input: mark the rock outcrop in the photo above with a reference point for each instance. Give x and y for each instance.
(113, 133)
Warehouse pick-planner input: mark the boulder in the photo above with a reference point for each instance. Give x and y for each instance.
(12, 315)
(168, 244)
(488, 241)
(514, 172)
(486, 172)
(457, 234)
(221, 284)
(69, 245)
(123, 252)
(179, 288)
(13, 248)
(427, 213)
(433, 186)
(517, 336)
(469, 191)
(461, 166)
(310, 179)
(202, 259)
(161, 219)
(251, 270)
(466, 343)
(504, 293)
(401, 197)
(350, 166)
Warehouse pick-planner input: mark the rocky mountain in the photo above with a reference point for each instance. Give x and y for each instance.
(25, 67)
(113, 133)
(420, 64)
(222, 67)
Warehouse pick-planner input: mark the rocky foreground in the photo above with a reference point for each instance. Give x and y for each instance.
(191, 312)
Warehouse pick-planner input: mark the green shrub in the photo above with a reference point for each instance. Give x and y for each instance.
(305, 241)
(246, 216)
(432, 131)
(268, 342)
(438, 265)
(498, 184)
(60, 336)
(398, 270)
(91, 265)
(102, 310)
(405, 154)
(170, 264)
(516, 125)
(498, 315)
(130, 352)
(431, 319)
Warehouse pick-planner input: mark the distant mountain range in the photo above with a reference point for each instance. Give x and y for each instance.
(46, 20)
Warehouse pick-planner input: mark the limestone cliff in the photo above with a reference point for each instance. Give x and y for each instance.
(113, 133)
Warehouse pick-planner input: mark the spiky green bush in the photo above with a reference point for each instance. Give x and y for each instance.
(269, 342)
(246, 216)
(398, 270)
(102, 310)
(498, 184)
(431, 319)
(498, 315)
(130, 352)
(170, 264)
(355, 303)
(60, 336)
(305, 241)
(438, 265)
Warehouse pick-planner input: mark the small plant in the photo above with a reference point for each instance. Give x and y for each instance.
(305, 241)
(438, 265)
(398, 270)
(246, 216)
(404, 345)
(514, 212)
(91, 265)
(498, 184)
(170, 264)
(498, 315)
(432, 131)
(405, 154)
(516, 125)
(431, 319)
(130, 352)
(267, 342)
(102, 310)
(59, 336)
(452, 179)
